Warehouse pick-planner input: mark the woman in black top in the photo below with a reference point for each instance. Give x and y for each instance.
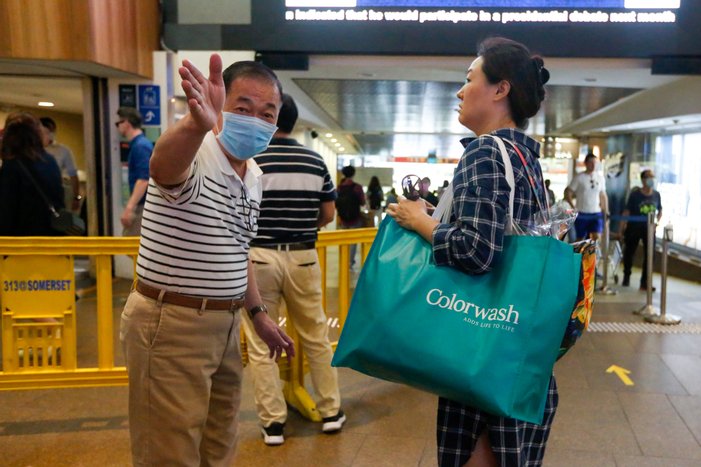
(23, 211)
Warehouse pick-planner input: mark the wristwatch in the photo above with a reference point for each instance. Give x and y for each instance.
(257, 309)
(78, 197)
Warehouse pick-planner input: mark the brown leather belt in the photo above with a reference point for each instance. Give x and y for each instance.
(288, 246)
(189, 301)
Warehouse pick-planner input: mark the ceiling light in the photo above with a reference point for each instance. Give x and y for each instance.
(341, 149)
(338, 145)
(329, 135)
(333, 140)
(45, 104)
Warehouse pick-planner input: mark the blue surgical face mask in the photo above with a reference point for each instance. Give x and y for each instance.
(650, 182)
(243, 137)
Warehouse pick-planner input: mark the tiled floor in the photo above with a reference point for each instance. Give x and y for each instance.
(600, 421)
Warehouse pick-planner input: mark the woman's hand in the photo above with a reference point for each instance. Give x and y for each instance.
(412, 216)
(407, 212)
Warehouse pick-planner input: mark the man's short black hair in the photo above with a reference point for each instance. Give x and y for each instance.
(250, 69)
(131, 115)
(590, 155)
(288, 114)
(48, 123)
(348, 171)
(647, 173)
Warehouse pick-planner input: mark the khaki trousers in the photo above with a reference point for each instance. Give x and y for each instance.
(296, 277)
(185, 374)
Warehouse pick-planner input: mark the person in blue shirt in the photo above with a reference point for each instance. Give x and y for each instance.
(140, 149)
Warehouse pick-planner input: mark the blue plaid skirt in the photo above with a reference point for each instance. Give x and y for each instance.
(514, 443)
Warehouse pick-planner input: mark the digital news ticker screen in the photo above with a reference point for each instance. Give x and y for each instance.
(567, 28)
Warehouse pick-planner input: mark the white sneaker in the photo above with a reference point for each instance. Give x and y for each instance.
(333, 424)
(273, 434)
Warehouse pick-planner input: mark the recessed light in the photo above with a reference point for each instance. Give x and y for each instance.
(338, 145)
(341, 149)
(45, 104)
(328, 135)
(333, 140)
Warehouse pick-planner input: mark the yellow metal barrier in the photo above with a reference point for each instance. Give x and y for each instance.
(39, 346)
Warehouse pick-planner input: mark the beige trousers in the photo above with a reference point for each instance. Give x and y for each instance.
(296, 277)
(184, 383)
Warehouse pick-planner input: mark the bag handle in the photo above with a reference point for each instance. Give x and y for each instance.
(38, 188)
(509, 172)
(443, 210)
(531, 182)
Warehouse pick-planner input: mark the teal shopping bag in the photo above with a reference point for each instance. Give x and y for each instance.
(487, 340)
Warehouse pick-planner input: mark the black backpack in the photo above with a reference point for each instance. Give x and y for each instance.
(347, 203)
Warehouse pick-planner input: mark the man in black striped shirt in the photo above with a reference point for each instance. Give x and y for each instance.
(298, 199)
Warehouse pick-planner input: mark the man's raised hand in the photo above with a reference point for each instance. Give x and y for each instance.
(205, 96)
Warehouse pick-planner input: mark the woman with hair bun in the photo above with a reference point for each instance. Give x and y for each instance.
(502, 90)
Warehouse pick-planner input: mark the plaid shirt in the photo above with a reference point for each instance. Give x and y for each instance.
(475, 238)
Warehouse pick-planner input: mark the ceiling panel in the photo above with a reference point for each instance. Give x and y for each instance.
(413, 118)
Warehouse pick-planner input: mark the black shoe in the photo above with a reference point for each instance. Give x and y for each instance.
(626, 281)
(643, 288)
(333, 424)
(273, 434)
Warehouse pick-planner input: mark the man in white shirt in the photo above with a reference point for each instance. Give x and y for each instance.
(589, 187)
(180, 325)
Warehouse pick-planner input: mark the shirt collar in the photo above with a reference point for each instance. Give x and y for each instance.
(134, 139)
(284, 142)
(512, 134)
(253, 172)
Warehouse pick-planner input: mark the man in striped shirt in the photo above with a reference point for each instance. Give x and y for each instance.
(180, 325)
(298, 199)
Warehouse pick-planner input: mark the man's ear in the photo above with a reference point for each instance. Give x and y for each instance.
(503, 89)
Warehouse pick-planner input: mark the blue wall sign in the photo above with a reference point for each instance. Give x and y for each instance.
(150, 104)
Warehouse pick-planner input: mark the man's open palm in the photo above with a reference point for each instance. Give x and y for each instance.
(205, 96)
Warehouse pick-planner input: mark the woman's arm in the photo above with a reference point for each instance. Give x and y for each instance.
(480, 203)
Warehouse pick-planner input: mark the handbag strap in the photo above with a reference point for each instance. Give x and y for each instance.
(38, 188)
(509, 172)
(445, 204)
(531, 181)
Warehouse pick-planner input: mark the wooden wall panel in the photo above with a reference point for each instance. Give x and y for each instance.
(44, 29)
(120, 34)
(125, 33)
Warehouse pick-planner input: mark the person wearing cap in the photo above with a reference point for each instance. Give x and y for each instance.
(140, 149)
(633, 230)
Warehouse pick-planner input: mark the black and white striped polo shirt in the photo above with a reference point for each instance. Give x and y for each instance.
(195, 238)
(295, 182)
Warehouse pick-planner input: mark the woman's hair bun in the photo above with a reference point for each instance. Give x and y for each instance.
(542, 72)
